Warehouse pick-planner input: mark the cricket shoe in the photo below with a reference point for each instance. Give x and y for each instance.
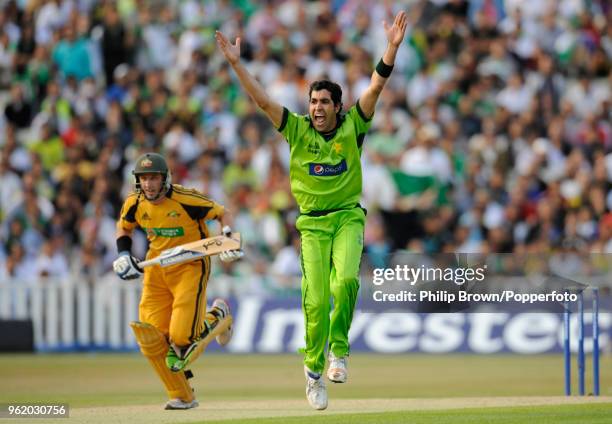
(337, 372)
(177, 403)
(316, 392)
(225, 337)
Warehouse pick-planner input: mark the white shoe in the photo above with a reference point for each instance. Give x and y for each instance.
(316, 392)
(225, 337)
(177, 403)
(337, 372)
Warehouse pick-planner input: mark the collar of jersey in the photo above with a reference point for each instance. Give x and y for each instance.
(328, 136)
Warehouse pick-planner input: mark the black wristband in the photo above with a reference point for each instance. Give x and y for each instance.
(124, 244)
(383, 69)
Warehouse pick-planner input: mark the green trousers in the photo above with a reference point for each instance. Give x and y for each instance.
(331, 254)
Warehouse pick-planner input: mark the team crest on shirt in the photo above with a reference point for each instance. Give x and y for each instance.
(173, 214)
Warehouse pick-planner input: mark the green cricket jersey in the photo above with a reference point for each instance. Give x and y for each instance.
(325, 172)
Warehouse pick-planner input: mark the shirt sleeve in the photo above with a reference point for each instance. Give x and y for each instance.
(362, 124)
(198, 206)
(127, 217)
(215, 211)
(292, 125)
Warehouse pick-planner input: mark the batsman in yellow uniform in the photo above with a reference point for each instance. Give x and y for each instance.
(173, 320)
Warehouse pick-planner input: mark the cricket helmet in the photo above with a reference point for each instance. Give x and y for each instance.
(152, 163)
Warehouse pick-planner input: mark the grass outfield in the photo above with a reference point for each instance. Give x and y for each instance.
(382, 388)
(592, 413)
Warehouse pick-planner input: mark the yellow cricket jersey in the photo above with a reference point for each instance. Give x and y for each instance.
(180, 218)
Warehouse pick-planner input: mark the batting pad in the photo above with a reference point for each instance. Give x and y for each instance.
(154, 346)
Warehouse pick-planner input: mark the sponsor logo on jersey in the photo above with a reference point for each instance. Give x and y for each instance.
(327, 170)
(314, 148)
(165, 232)
(146, 217)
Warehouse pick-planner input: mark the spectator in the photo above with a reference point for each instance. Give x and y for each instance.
(116, 42)
(18, 265)
(51, 262)
(72, 55)
(516, 97)
(286, 266)
(6, 59)
(18, 111)
(11, 193)
(50, 148)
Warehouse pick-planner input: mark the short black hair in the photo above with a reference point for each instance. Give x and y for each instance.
(332, 87)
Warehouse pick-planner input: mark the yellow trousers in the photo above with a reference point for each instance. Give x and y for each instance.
(174, 300)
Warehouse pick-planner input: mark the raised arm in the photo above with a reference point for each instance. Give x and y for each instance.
(273, 110)
(395, 36)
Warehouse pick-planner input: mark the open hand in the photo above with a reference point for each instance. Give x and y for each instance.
(395, 33)
(229, 50)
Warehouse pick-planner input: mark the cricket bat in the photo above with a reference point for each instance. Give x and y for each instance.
(195, 250)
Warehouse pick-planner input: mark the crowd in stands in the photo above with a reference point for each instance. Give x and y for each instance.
(494, 133)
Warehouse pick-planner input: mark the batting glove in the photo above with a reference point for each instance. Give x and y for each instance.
(126, 266)
(230, 255)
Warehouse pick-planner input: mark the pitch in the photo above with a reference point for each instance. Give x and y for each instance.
(104, 388)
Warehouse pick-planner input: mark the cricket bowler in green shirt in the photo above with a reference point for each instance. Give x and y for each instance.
(325, 173)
